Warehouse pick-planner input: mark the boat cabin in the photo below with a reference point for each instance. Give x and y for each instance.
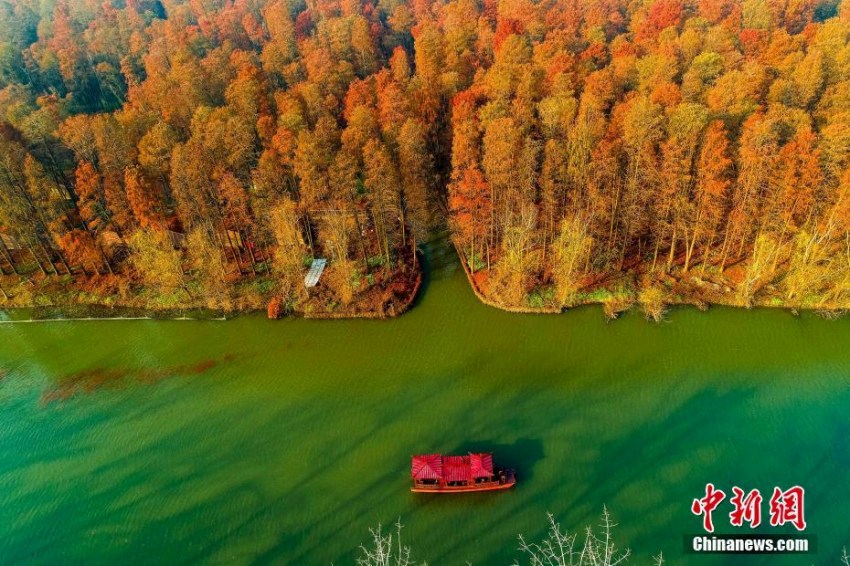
(472, 472)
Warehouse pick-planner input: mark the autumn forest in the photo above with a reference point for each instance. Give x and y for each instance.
(167, 153)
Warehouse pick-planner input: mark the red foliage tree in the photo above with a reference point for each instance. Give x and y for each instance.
(661, 15)
(470, 204)
(505, 29)
(143, 197)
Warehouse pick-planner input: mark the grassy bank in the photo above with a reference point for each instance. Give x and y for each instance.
(653, 293)
(383, 293)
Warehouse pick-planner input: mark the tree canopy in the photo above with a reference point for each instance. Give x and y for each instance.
(566, 141)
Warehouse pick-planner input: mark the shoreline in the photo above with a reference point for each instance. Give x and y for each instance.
(490, 302)
(368, 315)
(613, 309)
(88, 312)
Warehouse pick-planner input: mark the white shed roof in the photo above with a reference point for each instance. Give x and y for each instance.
(315, 271)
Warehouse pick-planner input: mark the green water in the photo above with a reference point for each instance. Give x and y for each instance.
(252, 441)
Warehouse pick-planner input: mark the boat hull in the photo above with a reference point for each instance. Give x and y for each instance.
(489, 486)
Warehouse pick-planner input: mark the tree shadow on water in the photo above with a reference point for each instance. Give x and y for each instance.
(435, 257)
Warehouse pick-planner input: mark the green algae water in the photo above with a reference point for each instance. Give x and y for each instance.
(250, 441)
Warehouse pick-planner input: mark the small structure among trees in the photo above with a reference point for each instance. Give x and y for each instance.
(317, 267)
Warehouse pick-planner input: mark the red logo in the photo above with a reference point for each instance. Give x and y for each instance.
(747, 508)
(706, 505)
(786, 507)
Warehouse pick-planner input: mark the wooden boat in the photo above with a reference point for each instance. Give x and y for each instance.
(435, 473)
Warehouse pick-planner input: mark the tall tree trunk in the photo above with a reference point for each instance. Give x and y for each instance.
(267, 258)
(655, 254)
(472, 245)
(383, 236)
(58, 175)
(357, 225)
(706, 255)
(672, 251)
(223, 249)
(309, 231)
(105, 259)
(689, 251)
(403, 218)
(492, 228)
(250, 248)
(724, 250)
(779, 246)
(413, 249)
(37, 261)
(741, 242)
(62, 259)
(233, 250)
(8, 255)
(49, 257)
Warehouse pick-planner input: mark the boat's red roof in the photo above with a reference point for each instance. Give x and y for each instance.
(456, 468)
(427, 467)
(452, 468)
(481, 465)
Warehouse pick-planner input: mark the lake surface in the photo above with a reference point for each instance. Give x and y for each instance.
(251, 441)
